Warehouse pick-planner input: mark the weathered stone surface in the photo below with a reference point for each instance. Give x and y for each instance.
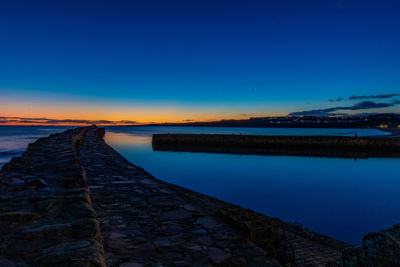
(171, 226)
(22, 217)
(200, 232)
(40, 183)
(218, 256)
(78, 253)
(378, 249)
(12, 263)
(379, 246)
(45, 204)
(78, 229)
(209, 222)
(352, 257)
(49, 220)
(177, 214)
(70, 182)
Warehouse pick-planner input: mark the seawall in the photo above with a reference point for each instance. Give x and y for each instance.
(72, 200)
(319, 146)
(46, 213)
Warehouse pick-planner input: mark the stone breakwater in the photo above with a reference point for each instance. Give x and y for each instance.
(320, 146)
(71, 200)
(46, 214)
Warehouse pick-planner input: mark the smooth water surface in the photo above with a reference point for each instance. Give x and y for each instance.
(338, 197)
(15, 139)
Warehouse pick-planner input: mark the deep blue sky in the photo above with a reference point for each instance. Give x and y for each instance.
(251, 57)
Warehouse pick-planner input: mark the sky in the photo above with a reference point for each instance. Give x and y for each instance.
(175, 61)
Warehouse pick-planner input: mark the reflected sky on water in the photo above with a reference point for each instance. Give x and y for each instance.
(338, 197)
(15, 139)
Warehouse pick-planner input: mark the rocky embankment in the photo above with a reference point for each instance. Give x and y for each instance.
(46, 214)
(71, 200)
(319, 146)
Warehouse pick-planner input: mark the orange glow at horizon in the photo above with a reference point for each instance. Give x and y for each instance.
(36, 113)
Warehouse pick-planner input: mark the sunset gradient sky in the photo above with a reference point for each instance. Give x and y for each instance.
(175, 61)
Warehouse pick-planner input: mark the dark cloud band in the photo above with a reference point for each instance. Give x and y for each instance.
(383, 96)
(21, 120)
(359, 106)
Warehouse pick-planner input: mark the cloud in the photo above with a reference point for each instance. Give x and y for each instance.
(24, 121)
(69, 121)
(21, 120)
(336, 100)
(6, 118)
(127, 122)
(383, 96)
(358, 106)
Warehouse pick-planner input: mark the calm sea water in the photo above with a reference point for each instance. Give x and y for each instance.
(14, 139)
(338, 197)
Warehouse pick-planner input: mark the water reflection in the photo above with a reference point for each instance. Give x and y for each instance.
(14, 139)
(342, 198)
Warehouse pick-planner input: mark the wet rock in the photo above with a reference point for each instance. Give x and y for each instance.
(205, 240)
(250, 251)
(83, 253)
(333, 264)
(218, 256)
(45, 189)
(39, 183)
(163, 242)
(78, 229)
(177, 214)
(200, 232)
(116, 243)
(172, 228)
(16, 182)
(163, 202)
(12, 263)
(124, 182)
(352, 257)
(195, 248)
(18, 247)
(131, 264)
(115, 235)
(147, 182)
(45, 204)
(19, 217)
(381, 248)
(167, 191)
(268, 262)
(81, 209)
(96, 186)
(209, 222)
(5, 198)
(238, 261)
(228, 236)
